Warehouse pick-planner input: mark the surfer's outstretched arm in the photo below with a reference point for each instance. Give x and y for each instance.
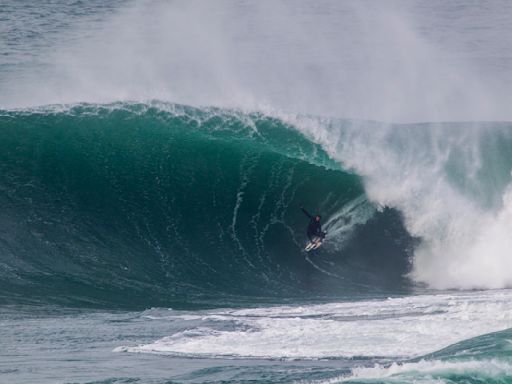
(306, 212)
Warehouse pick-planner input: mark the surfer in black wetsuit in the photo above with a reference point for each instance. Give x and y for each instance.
(314, 226)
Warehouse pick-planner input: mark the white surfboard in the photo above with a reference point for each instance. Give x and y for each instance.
(315, 243)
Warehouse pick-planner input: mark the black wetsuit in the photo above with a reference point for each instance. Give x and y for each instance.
(314, 226)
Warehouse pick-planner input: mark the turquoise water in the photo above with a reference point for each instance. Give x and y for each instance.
(153, 159)
(168, 205)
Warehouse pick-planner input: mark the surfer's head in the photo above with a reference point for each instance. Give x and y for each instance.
(318, 217)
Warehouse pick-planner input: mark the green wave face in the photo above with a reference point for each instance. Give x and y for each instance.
(166, 205)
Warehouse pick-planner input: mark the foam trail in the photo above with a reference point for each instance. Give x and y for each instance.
(340, 225)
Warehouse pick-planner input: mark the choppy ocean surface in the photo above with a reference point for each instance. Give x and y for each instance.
(153, 159)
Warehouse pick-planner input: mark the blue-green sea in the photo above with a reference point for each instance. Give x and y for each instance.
(154, 156)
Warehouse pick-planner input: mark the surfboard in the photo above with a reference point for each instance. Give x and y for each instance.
(314, 244)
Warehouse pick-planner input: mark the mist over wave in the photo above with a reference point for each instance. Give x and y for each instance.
(350, 59)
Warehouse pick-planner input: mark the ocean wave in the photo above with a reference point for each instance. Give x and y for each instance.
(160, 204)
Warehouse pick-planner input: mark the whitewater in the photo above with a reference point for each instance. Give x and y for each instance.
(154, 156)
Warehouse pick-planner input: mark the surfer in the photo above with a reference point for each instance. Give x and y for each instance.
(314, 226)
